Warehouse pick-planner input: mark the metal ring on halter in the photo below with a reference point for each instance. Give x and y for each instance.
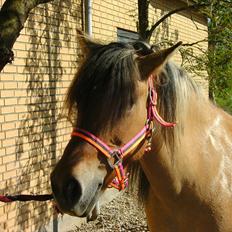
(116, 154)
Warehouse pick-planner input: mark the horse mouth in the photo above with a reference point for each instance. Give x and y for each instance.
(92, 209)
(89, 210)
(92, 214)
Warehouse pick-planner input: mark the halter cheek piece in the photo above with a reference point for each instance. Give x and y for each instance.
(119, 154)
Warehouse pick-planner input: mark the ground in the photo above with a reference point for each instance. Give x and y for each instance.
(121, 214)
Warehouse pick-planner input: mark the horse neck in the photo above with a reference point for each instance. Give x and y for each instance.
(168, 170)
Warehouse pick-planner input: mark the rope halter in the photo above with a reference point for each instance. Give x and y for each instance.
(120, 181)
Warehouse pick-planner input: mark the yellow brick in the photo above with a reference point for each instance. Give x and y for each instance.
(2, 168)
(8, 158)
(11, 133)
(7, 93)
(21, 53)
(2, 135)
(21, 109)
(11, 214)
(10, 150)
(2, 152)
(9, 174)
(1, 210)
(8, 126)
(20, 46)
(20, 61)
(10, 85)
(10, 68)
(23, 38)
(8, 142)
(20, 93)
(11, 166)
(10, 224)
(6, 76)
(11, 117)
(10, 101)
(3, 218)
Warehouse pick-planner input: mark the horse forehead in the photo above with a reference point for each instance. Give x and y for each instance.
(77, 152)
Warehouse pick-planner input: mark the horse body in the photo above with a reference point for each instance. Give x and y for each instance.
(188, 168)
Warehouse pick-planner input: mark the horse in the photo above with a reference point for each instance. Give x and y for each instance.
(134, 109)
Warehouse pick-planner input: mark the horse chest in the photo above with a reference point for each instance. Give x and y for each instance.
(178, 216)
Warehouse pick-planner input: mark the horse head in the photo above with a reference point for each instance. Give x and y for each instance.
(109, 97)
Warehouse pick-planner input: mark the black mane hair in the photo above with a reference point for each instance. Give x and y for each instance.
(105, 86)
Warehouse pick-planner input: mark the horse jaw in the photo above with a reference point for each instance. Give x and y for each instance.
(106, 196)
(86, 205)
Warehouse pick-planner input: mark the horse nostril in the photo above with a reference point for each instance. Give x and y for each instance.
(72, 191)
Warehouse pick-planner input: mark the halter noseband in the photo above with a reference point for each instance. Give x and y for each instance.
(119, 154)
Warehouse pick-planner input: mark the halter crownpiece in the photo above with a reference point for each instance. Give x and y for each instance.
(120, 182)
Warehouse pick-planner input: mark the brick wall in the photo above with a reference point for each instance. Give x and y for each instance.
(188, 27)
(33, 127)
(108, 15)
(33, 130)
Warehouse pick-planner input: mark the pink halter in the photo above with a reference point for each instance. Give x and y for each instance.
(121, 180)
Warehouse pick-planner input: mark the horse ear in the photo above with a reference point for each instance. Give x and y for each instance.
(154, 62)
(86, 44)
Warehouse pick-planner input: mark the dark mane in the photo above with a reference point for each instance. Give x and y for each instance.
(104, 86)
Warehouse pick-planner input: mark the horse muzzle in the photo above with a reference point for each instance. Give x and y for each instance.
(77, 199)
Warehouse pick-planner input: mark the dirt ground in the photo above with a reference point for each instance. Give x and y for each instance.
(121, 214)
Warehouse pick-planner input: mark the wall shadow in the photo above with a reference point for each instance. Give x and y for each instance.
(162, 34)
(50, 27)
(166, 5)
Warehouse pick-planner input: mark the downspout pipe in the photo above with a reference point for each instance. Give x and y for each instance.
(88, 17)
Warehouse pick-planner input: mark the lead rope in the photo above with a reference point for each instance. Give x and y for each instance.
(25, 197)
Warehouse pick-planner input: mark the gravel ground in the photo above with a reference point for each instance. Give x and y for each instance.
(121, 214)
